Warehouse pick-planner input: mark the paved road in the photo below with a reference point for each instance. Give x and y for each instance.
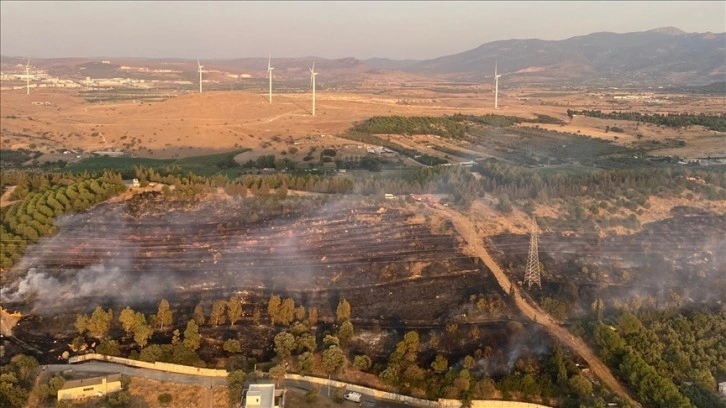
(533, 311)
(97, 367)
(366, 401)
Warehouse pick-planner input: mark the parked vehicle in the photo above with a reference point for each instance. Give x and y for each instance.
(352, 396)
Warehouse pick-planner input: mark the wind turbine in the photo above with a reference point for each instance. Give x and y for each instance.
(27, 78)
(312, 83)
(200, 75)
(496, 86)
(269, 74)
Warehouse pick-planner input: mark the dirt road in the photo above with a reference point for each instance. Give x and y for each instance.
(533, 312)
(6, 196)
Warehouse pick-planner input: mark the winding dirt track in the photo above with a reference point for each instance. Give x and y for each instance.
(6, 196)
(533, 312)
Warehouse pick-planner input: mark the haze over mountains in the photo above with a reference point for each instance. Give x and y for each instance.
(664, 56)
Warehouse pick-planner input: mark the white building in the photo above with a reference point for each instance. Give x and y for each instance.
(263, 396)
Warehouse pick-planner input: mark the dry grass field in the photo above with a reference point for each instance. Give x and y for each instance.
(196, 124)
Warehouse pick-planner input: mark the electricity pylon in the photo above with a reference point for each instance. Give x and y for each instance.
(532, 273)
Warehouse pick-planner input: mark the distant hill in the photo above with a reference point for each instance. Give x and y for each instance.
(660, 56)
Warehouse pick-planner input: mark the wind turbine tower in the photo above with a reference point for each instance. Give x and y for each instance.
(27, 78)
(200, 75)
(269, 74)
(312, 83)
(496, 87)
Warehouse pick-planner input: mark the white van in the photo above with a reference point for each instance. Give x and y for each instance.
(352, 396)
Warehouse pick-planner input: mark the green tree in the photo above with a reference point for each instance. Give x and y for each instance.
(164, 315)
(329, 340)
(109, 348)
(345, 332)
(55, 384)
(232, 346)
(277, 373)
(218, 309)
(300, 313)
(312, 316)
(287, 311)
(342, 312)
(284, 345)
(305, 342)
(235, 385)
(199, 315)
(127, 319)
(440, 364)
(192, 338)
(333, 360)
(100, 322)
(580, 386)
(11, 393)
(234, 309)
(362, 362)
(175, 337)
(81, 324)
(256, 316)
(273, 308)
(142, 331)
(469, 362)
(304, 363)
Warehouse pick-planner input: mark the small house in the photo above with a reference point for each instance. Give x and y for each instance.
(90, 387)
(263, 396)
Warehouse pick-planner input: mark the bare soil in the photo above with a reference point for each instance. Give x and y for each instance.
(195, 124)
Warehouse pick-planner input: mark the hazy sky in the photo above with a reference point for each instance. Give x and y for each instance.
(327, 29)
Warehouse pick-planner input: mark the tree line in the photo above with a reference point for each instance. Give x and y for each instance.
(669, 358)
(26, 222)
(715, 122)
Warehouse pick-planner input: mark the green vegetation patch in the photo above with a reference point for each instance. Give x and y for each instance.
(443, 126)
(205, 165)
(710, 121)
(16, 158)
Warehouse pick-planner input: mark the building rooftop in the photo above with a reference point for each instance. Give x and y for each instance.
(266, 394)
(87, 382)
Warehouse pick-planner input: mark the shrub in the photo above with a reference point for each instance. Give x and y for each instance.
(165, 398)
(312, 395)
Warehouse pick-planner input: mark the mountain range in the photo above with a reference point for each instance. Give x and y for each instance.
(664, 55)
(659, 57)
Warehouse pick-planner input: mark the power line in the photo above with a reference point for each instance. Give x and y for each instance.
(532, 272)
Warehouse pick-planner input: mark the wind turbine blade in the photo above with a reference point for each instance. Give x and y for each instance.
(313, 68)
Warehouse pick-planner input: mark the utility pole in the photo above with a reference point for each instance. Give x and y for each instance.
(532, 273)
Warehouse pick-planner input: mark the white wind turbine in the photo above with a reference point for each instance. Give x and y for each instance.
(269, 74)
(200, 75)
(27, 78)
(312, 83)
(496, 86)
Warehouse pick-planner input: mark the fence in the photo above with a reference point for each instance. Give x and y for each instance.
(159, 366)
(417, 402)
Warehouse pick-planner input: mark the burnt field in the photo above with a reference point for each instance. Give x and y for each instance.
(394, 270)
(675, 262)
